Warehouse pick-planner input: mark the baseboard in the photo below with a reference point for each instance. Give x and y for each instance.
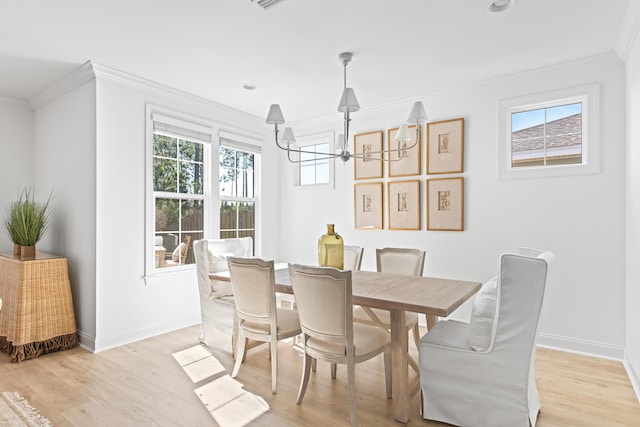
(589, 348)
(115, 340)
(88, 342)
(633, 373)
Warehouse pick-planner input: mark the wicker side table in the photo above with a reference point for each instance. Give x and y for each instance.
(37, 316)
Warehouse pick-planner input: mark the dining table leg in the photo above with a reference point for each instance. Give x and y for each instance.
(400, 367)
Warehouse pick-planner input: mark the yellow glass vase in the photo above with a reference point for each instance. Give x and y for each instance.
(331, 249)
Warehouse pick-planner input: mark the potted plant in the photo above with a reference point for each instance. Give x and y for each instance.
(26, 222)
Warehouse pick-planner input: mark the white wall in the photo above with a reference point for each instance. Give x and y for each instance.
(64, 162)
(128, 306)
(90, 150)
(632, 350)
(580, 218)
(16, 165)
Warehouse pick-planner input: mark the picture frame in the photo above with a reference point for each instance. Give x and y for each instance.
(368, 206)
(409, 162)
(404, 205)
(445, 204)
(367, 168)
(445, 146)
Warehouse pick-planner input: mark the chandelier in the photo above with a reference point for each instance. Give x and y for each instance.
(348, 104)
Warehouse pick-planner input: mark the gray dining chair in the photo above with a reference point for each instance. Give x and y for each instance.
(324, 299)
(397, 261)
(253, 282)
(352, 257)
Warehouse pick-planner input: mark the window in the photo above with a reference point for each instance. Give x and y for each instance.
(548, 134)
(178, 182)
(238, 190)
(315, 169)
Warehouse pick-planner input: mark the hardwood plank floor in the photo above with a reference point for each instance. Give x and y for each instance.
(141, 384)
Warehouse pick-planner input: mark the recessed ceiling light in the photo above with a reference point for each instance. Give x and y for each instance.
(500, 5)
(249, 86)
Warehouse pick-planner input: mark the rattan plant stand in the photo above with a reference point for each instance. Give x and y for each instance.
(37, 316)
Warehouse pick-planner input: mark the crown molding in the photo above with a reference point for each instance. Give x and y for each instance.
(71, 81)
(15, 102)
(91, 70)
(628, 30)
(586, 62)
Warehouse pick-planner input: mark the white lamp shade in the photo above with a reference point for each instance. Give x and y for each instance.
(287, 136)
(275, 116)
(403, 133)
(418, 114)
(348, 101)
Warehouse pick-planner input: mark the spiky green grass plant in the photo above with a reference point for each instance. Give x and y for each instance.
(27, 220)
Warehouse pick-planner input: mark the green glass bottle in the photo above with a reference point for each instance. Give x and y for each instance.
(331, 249)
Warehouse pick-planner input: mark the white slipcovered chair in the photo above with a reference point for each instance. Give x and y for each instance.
(254, 290)
(323, 295)
(217, 306)
(398, 261)
(482, 373)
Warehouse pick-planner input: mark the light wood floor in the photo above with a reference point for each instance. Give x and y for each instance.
(142, 384)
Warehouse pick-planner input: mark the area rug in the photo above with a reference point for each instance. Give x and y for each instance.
(225, 398)
(16, 411)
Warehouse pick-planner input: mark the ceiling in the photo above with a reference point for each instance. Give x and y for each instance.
(403, 49)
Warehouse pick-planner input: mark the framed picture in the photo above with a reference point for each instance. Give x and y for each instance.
(369, 146)
(445, 204)
(403, 161)
(368, 206)
(404, 205)
(445, 146)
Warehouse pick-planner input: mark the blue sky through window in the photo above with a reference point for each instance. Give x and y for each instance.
(531, 118)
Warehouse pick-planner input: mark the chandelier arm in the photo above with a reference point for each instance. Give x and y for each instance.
(382, 158)
(327, 157)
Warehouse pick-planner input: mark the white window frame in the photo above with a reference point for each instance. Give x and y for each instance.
(315, 139)
(588, 95)
(201, 131)
(248, 144)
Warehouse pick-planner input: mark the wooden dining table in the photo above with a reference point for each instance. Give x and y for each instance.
(398, 294)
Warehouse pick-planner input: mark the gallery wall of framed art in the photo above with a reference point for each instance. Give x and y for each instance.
(385, 198)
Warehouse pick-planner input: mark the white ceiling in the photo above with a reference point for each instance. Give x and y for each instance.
(402, 49)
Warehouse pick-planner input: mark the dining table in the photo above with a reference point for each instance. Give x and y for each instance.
(435, 297)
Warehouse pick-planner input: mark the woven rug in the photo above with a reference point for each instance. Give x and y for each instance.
(16, 411)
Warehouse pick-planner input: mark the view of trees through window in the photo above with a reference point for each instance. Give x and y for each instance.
(178, 166)
(237, 193)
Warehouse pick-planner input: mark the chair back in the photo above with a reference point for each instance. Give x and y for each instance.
(220, 249)
(323, 298)
(400, 261)
(352, 257)
(217, 306)
(207, 254)
(521, 286)
(253, 282)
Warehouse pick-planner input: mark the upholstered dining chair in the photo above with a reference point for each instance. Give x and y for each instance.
(324, 296)
(352, 257)
(217, 306)
(397, 261)
(483, 374)
(253, 282)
